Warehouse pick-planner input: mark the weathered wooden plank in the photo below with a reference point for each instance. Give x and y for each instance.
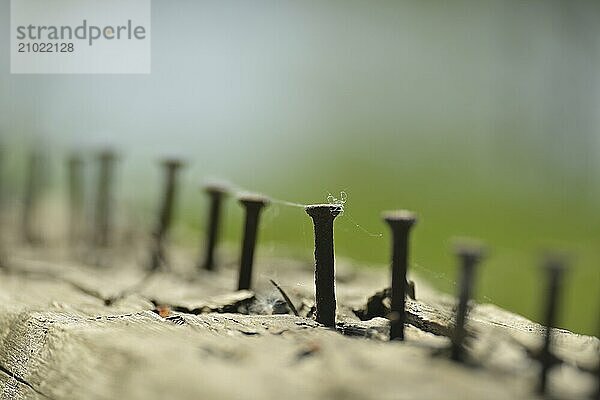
(64, 342)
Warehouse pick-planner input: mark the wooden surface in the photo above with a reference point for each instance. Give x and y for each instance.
(71, 330)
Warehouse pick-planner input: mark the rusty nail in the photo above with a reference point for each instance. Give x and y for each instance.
(597, 394)
(400, 223)
(598, 375)
(75, 181)
(31, 197)
(598, 381)
(252, 204)
(171, 167)
(216, 194)
(106, 159)
(323, 216)
(470, 253)
(2, 177)
(554, 266)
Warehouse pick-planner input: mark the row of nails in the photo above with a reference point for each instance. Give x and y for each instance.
(323, 216)
(253, 204)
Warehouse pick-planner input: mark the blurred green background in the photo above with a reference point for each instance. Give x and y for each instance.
(481, 116)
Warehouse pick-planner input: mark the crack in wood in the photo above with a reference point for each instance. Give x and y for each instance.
(22, 381)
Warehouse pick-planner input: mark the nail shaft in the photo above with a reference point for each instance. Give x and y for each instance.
(323, 216)
(598, 378)
(75, 178)
(253, 206)
(597, 394)
(469, 254)
(554, 268)
(2, 206)
(216, 195)
(400, 223)
(31, 198)
(165, 218)
(3, 191)
(104, 198)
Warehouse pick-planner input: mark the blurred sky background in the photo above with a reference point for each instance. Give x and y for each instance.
(481, 116)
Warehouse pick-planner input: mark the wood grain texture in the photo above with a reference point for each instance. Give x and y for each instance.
(61, 339)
